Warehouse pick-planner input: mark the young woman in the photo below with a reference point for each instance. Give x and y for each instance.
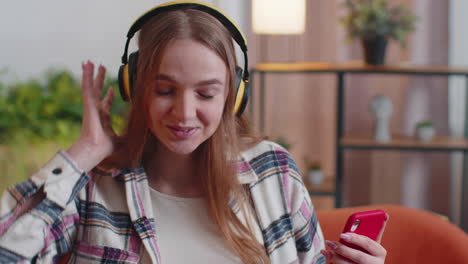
(185, 183)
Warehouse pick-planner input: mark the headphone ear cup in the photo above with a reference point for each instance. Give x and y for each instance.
(127, 77)
(132, 71)
(245, 98)
(124, 85)
(242, 91)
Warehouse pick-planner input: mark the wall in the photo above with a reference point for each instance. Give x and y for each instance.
(37, 35)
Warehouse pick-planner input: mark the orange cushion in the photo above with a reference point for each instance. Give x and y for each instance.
(411, 235)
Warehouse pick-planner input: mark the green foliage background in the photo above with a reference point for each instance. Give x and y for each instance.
(39, 117)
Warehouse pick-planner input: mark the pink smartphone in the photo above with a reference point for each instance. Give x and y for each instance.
(368, 223)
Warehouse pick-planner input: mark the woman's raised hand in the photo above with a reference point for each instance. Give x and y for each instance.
(377, 252)
(96, 141)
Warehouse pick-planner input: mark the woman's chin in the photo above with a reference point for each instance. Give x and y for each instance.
(183, 148)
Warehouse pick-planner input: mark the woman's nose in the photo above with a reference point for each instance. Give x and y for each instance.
(184, 107)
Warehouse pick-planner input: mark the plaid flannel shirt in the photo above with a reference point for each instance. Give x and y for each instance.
(95, 218)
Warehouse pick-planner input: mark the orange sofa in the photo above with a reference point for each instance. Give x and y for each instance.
(411, 235)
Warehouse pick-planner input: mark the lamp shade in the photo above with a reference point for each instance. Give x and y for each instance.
(278, 16)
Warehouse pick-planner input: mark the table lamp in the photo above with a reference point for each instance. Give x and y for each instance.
(278, 16)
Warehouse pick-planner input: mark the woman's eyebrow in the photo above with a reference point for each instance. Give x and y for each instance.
(209, 82)
(165, 77)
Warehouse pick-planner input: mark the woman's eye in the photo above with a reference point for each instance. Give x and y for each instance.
(206, 96)
(164, 92)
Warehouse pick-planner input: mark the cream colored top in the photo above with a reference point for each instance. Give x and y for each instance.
(185, 232)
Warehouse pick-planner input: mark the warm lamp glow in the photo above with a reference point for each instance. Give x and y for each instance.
(278, 16)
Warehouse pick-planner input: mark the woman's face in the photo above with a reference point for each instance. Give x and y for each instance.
(188, 95)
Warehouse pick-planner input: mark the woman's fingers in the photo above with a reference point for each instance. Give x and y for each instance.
(351, 254)
(87, 81)
(106, 105)
(89, 105)
(327, 254)
(374, 248)
(96, 112)
(334, 258)
(92, 87)
(376, 252)
(108, 99)
(99, 82)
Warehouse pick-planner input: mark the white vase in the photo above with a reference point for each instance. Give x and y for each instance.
(315, 177)
(425, 133)
(381, 108)
(382, 130)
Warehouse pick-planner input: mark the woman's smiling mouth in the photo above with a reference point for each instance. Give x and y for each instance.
(182, 132)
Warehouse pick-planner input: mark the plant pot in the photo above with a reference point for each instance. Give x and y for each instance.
(374, 50)
(425, 134)
(315, 177)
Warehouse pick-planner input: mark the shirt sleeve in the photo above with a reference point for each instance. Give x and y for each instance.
(307, 232)
(48, 229)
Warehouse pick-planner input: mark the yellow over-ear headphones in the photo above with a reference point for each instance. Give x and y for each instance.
(127, 71)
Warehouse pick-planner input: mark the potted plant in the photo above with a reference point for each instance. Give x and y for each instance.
(425, 130)
(374, 22)
(314, 174)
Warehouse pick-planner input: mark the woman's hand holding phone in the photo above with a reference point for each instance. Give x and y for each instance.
(360, 240)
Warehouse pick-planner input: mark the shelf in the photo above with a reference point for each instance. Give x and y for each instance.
(327, 188)
(331, 190)
(439, 143)
(359, 67)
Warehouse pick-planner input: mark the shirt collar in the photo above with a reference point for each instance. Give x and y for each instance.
(245, 173)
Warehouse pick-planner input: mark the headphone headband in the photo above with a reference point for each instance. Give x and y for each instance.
(178, 5)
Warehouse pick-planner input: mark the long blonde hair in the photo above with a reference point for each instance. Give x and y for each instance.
(215, 155)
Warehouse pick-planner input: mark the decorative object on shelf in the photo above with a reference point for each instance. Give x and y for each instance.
(425, 130)
(381, 108)
(374, 22)
(283, 142)
(314, 174)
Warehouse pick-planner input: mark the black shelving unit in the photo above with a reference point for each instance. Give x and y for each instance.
(343, 142)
